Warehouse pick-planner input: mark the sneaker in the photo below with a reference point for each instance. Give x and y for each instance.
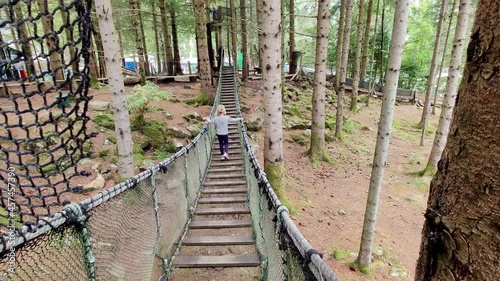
(225, 156)
(222, 157)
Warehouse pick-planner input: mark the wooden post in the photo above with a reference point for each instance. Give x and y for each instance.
(189, 67)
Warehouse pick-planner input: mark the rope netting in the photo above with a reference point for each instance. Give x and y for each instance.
(43, 109)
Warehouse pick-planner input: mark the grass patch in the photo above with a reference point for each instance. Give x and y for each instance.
(300, 139)
(414, 159)
(421, 183)
(416, 198)
(405, 129)
(361, 148)
(340, 254)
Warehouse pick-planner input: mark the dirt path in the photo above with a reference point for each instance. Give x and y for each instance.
(330, 200)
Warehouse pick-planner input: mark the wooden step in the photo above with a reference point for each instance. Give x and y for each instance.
(217, 240)
(220, 224)
(230, 162)
(225, 183)
(216, 150)
(222, 200)
(217, 159)
(220, 170)
(227, 176)
(216, 261)
(223, 190)
(222, 211)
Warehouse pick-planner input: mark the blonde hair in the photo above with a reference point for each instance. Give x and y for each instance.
(221, 110)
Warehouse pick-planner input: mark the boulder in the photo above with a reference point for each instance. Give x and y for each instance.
(296, 123)
(291, 109)
(96, 184)
(178, 146)
(177, 133)
(193, 117)
(195, 129)
(254, 123)
(99, 105)
(154, 134)
(105, 120)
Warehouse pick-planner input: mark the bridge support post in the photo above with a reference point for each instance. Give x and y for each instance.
(156, 207)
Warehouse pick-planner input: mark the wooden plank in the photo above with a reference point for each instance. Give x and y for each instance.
(222, 211)
(227, 176)
(225, 183)
(223, 190)
(216, 261)
(217, 159)
(222, 200)
(227, 163)
(217, 240)
(220, 170)
(220, 224)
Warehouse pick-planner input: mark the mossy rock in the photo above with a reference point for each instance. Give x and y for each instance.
(300, 139)
(104, 153)
(292, 109)
(136, 122)
(193, 117)
(160, 126)
(168, 116)
(201, 99)
(295, 123)
(154, 134)
(254, 123)
(111, 139)
(138, 158)
(105, 120)
(195, 129)
(137, 149)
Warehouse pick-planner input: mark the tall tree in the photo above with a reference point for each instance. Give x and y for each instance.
(366, 40)
(445, 48)
(450, 94)
(371, 84)
(343, 67)
(56, 65)
(432, 71)
(119, 100)
(166, 38)
(340, 41)
(175, 42)
(202, 44)
(269, 27)
(382, 46)
(384, 131)
(460, 237)
(244, 43)
(145, 49)
(318, 150)
(291, 36)
(67, 24)
(157, 42)
(357, 57)
(98, 44)
(139, 45)
(234, 33)
(22, 30)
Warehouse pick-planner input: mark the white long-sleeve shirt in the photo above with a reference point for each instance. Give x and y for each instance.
(222, 122)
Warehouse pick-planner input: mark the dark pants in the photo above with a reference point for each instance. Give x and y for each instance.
(223, 143)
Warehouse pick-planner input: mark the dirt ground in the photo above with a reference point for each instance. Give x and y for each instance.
(329, 199)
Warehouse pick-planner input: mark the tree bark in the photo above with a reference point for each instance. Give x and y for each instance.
(343, 67)
(98, 44)
(145, 49)
(384, 130)
(451, 87)
(26, 46)
(138, 39)
(291, 38)
(318, 150)
(56, 66)
(244, 43)
(366, 41)
(166, 38)
(382, 48)
(357, 58)
(340, 44)
(93, 67)
(234, 39)
(157, 42)
(371, 85)
(175, 42)
(119, 100)
(270, 54)
(452, 12)
(460, 237)
(201, 34)
(69, 38)
(122, 55)
(432, 72)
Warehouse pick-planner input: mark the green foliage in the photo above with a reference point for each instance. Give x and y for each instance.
(201, 99)
(112, 139)
(144, 94)
(160, 154)
(300, 139)
(105, 120)
(361, 148)
(350, 126)
(341, 254)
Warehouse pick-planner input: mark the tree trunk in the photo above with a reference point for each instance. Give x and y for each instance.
(56, 66)
(340, 41)
(291, 38)
(366, 41)
(175, 42)
(201, 34)
(270, 49)
(244, 43)
(234, 39)
(318, 150)
(451, 87)
(119, 100)
(432, 72)
(26, 46)
(121, 48)
(381, 59)
(93, 67)
(157, 42)
(98, 44)
(138, 39)
(371, 85)
(384, 130)
(69, 38)
(145, 49)
(357, 58)
(460, 237)
(166, 38)
(343, 67)
(445, 48)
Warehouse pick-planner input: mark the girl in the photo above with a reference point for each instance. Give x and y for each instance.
(221, 123)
